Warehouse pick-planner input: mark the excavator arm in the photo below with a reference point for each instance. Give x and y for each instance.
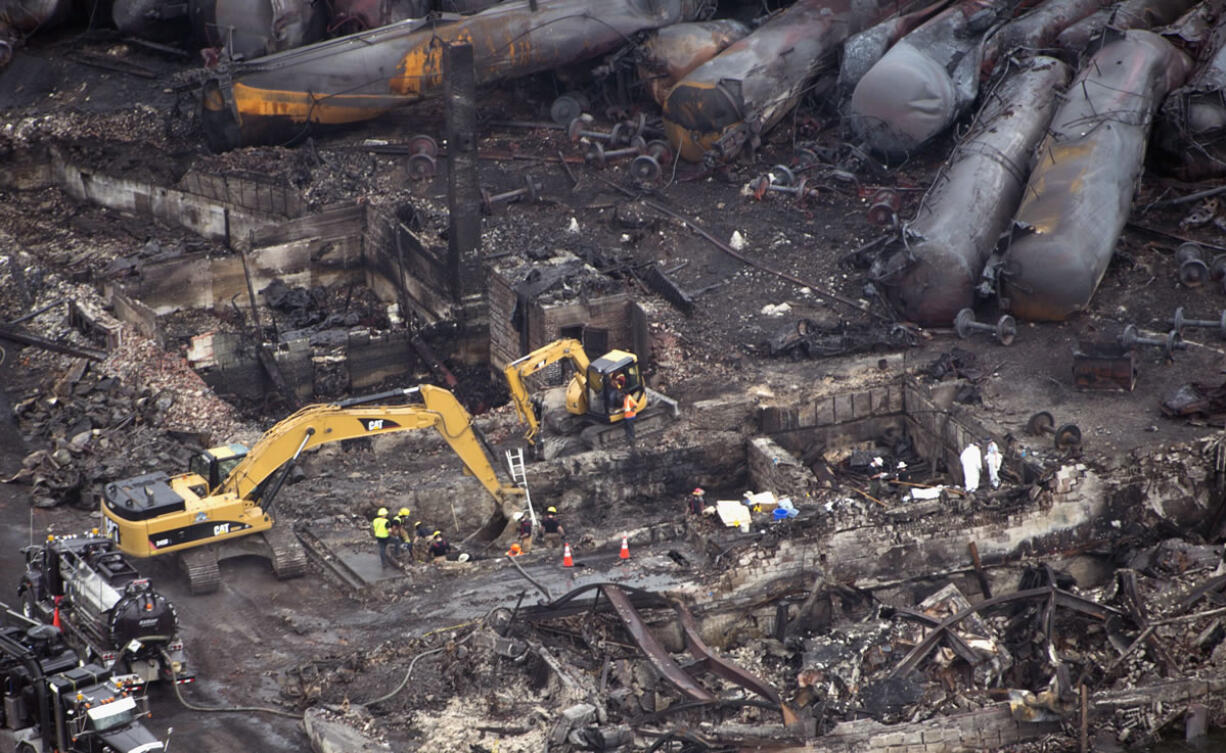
(316, 425)
(546, 355)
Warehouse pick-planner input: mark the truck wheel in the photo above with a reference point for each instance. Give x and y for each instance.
(26, 748)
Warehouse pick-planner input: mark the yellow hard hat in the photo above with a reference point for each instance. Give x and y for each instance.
(552, 509)
(437, 533)
(404, 512)
(382, 511)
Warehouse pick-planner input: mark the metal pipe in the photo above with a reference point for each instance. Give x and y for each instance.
(740, 94)
(931, 274)
(925, 81)
(361, 76)
(1080, 193)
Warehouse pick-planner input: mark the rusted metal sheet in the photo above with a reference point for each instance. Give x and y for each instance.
(734, 98)
(1104, 366)
(252, 29)
(1079, 194)
(862, 51)
(670, 54)
(626, 601)
(361, 76)
(717, 665)
(932, 273)
(1191, 130)
(1038, 29)
(19, 18)
(655, 651)
(926, 80)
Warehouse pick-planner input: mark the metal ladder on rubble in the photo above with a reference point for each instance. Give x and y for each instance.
(519, 474)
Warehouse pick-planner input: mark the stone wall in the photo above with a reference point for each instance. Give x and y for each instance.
(830, 419)
(772, 468)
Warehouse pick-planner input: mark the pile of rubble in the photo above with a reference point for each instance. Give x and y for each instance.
(141, 410)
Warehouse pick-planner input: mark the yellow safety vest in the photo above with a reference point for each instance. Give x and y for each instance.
(380, 526)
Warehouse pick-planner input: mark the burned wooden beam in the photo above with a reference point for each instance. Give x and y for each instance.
(361, 76)
(17, 336)
(730, 101)
(926, 80)
(1080, 193)
(933, 272)
(1055, 596)
(667, 288)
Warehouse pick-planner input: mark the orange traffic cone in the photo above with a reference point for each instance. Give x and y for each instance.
(567, 559)
(55, 616)
(625, 552)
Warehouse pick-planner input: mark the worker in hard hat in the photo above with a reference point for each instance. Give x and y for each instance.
(515, 550)
(525, 532)
(552, 527)
(698, 501)
(404, 541)
(421, 548)
(439, 547)
(381, 527)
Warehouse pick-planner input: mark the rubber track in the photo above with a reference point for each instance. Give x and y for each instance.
(203, 574)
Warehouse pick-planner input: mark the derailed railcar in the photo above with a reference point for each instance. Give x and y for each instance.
(1079, 194)
(1190, 137)
(745, 90)
(362, 76)
(933, 271)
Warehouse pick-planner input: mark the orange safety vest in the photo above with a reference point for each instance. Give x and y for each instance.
(628, 410)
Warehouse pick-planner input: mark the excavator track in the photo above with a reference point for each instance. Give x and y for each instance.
(289, 559)
(661, 412)
(200, 565)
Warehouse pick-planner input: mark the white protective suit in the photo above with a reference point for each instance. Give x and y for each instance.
(993, 459)
(972, 463)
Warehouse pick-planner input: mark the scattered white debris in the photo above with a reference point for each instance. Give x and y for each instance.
(776, 309)
(737, 241)
(573, 227)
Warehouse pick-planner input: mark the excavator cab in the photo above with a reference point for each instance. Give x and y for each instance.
(607, 377)
(215, 464)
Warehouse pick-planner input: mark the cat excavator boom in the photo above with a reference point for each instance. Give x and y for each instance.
(222, 507)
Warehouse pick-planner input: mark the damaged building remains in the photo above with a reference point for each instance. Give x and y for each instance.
(692, 376)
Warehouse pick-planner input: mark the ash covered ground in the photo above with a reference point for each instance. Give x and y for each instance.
(299, 643)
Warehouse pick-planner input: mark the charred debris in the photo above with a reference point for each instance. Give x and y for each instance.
(793, 215)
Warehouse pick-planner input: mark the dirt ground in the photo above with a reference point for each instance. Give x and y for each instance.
(264, 642)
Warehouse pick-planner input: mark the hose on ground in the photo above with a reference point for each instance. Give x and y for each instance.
(174, 680)
(409, 672)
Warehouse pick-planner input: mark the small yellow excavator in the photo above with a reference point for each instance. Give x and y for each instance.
(222, 507)
(593, 395)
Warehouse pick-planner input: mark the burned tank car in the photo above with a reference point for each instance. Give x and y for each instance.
(106, 609)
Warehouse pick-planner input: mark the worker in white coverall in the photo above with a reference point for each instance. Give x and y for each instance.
(972, 462)
(993, 459)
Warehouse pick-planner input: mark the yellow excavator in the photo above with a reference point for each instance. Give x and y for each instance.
(222, 507)
(593, 395)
